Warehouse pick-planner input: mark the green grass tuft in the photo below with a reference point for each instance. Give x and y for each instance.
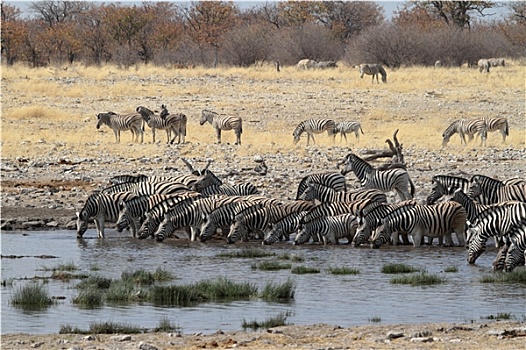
(398, 268)
(499, 316)
(516, 276)
(270, 266)
(113, 328)
(301, 270)
(165, 325)
(291, 257)
(31, 296)
(279, 320)
(451, 269)
(97, 282)
(278, 292)
(89, 298)
(419, 279)
(343, 271)
(247, 253)
(375, 319)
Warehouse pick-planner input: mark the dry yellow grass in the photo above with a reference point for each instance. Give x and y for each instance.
(51, 111)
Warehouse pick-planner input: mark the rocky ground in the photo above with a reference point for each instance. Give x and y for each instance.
(495, 335)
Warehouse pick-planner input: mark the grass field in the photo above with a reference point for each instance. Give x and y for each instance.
(50, 111)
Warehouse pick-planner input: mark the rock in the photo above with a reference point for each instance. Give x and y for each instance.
(421, 339)
(145, 346)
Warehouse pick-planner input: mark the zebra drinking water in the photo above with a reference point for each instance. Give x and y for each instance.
(125, 122)
(223, 122)
(313, 126)
(395, 179)
(344, 127)
(465, 127)
(331, 229)
(374, 70)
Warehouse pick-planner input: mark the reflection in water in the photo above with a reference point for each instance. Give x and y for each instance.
(342, 300)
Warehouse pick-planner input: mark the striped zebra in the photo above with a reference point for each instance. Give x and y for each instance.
(337, 208)
(326, 194)
(133, 210)
(305, 64)
(516, 254)
(371, 217)
(494, 191)
(313, 126)
(282, 229)
(495, 62)
(243, 189)
(331, 229)
(497, 124)
(157, 213)
(483, 65)
(165, 121)
(499, 262)
(122, 122)
(395, 179)
(333, 180)
(446, 185)
(438, 220)
(223, 122)
(179, 121)
(493, 222)
(262, 219)
(345, 127)
(373, 70)
(326, 64)
(190, 215)
(143, 188)
(102, 207)
(465, 127)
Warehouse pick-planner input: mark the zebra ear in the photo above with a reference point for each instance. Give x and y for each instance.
(78, 215)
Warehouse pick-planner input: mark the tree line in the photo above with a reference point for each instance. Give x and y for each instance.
(212, 33)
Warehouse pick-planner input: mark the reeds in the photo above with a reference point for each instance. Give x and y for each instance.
(398, 268)
(278, 292)
(276, 321)
(270, 266)
(422, 278)
(247, 254)
(343, 271)
(516, 276)
(31, 296)
(301, 270)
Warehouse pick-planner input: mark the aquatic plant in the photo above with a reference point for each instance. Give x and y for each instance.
(343, 271)
(421, 278)
(398, 268)
(276, 321)
(301, 270)
(270, 266)
(30, 296)
(278, 292)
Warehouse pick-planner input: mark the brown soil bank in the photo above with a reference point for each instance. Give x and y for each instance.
(493, 335)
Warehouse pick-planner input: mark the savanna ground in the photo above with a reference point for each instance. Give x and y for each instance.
(49, 141)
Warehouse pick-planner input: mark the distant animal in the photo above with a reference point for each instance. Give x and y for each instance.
(164, 121)
(313, 126)
(483, 65)
(374, 70)
(326, 64)
(495, 62)
(223, 122)
(497, 124)
(438, 64)
(465, 127)
(343, 128)
(122, 122)
(306, 64)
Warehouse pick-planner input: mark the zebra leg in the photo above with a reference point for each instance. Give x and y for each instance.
(218, 135)
(117, 135)
(153, 135)
(99, 223)
(238, 137)
(344, 135)
(417, 238)
(168, 135)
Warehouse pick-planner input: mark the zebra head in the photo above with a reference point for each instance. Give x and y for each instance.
(362, 232)
(144, 230)
(348, 163)
(500, 260)
(208, 228)
(302, 236)
(380, 237)
(514, 258)
(82, 223)
(122, 221)
(164, 112)
(237, 231)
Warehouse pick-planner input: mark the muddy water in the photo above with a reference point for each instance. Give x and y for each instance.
(320, 298)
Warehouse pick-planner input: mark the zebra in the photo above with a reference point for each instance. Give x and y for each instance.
(191, 215)
(327, 194)
(157, 213)
(334, 180)
(326, 64)
(284, 227)
(178, 120)
(122, 122)
(331, 229)
(465, 127)
(313, 126)
(102, 207)
(348, 126)
(133, 210)
(437, 220)
(167, 122)
(371, 217)
(396, 179)
(243, 189)
(499, 262)
(438, 64)
(446, 185)
(516, 254)
(494, 191)
(264, 218)
(497, 124)
(223, 122)
(374, 70)
(495, 221)
(483, 65)
(337, 208)
(142, 188)
(185, 179)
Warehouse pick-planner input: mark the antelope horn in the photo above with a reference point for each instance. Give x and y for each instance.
(188, 165)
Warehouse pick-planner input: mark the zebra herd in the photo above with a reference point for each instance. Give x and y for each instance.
(473, 127)
(325, 210)
(318, 126)
(171, 123)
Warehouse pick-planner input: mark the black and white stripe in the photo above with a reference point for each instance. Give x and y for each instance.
(148, 188)
(395, 179)
(373, 70)
(282, 229)
(497, 124)
(313, 126)
(495, 191)
(223, 122)
(101, 207)
(165, 121)
(243, 189)
(438, 220)
(324, 194)
(185, 179)
(333, 180)
(465, 127)
(493, 222)
(345, 127)
(330, 229)
(124, 122)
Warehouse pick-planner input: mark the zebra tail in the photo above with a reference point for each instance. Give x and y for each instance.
(412, 188)
(507, 131)
(361, 130)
